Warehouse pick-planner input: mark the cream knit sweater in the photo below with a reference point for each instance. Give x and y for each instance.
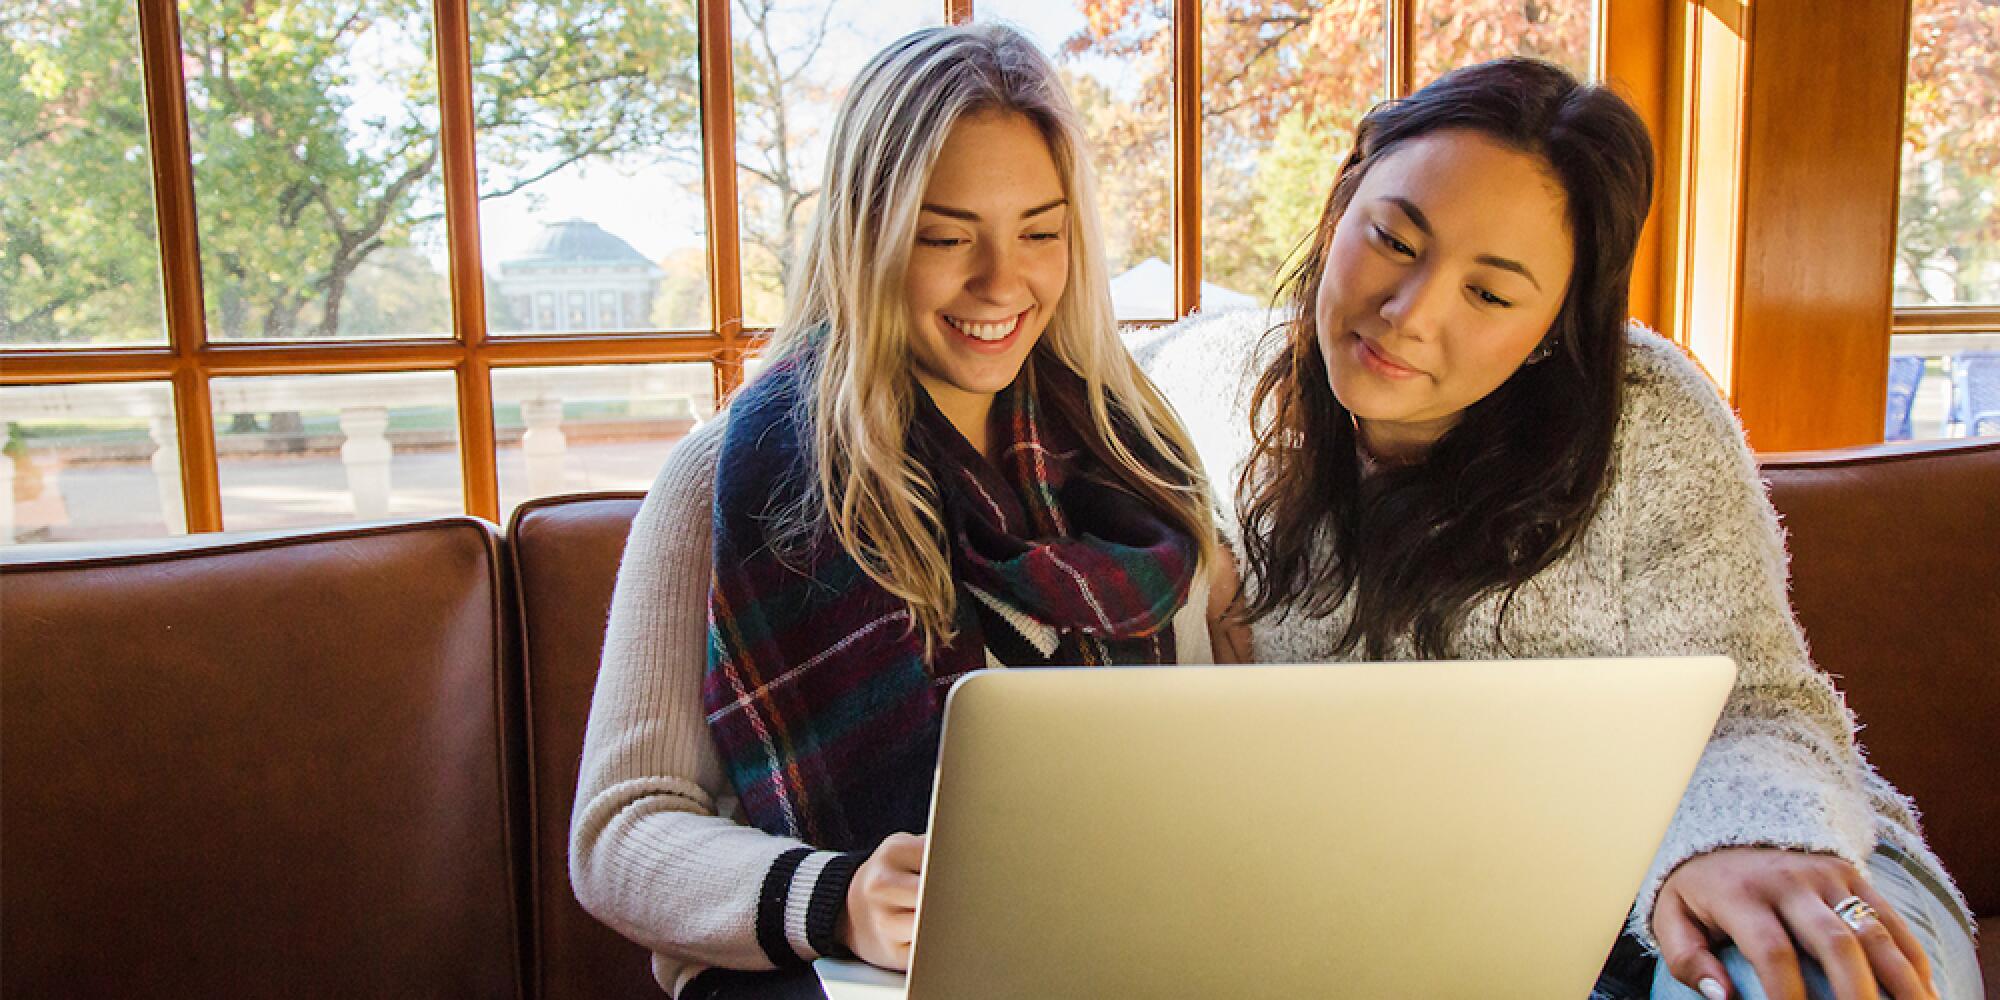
(652, 851)
(1684, 556)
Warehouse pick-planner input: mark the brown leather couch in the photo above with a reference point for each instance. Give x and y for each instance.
(263, 766)
(341, 762)
(1896, 580)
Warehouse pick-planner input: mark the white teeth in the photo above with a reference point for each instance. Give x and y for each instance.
(984, 331)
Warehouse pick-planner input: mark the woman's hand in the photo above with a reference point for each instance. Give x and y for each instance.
(1774, 904)
(881, 915)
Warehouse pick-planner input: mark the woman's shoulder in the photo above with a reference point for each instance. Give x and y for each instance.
(767, 435)
(1667, 393)
(687, 477)
(1675, 426)
(770, 398)
(1202, 342)
(1657, 370)
(1206, 366)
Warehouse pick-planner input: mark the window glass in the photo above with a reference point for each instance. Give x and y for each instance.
(1283, 87)
(323, 449)
(1948, 235)
(592, 427)
(88, 462)
(1943, 385)
(79, 252)
(794, 62)
(589, 124)
(1118, 69)
(314, 131)
(1463, 32)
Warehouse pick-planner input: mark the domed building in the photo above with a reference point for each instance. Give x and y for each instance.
(579, 277)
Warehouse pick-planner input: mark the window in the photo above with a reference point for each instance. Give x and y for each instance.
(79, 254)
(1120, 74)
(588, 118)
(314, 144)
(1944, 370)
(416, 256)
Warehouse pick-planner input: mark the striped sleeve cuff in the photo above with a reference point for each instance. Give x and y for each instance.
(823, 904)
(800, 904)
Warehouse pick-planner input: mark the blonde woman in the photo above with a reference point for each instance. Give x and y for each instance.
(950, 463)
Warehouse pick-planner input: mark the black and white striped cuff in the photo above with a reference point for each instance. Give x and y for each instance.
(800, 904)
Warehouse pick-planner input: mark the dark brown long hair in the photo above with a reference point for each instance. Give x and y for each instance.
(1507, 490)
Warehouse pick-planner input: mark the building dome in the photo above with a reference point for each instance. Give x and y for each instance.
(580, 241)
(577, 277)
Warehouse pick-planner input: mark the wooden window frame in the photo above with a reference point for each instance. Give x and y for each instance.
(1627, 34)
(1785, 217)
(1947, 319)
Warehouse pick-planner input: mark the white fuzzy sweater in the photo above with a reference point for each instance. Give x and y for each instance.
(1684, 556)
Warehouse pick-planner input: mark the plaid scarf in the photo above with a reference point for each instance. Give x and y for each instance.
(818, 694)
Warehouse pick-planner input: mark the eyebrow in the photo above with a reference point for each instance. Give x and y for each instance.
(971, 216)
(1417, 218)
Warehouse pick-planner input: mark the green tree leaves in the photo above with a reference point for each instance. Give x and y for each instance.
(313, 126)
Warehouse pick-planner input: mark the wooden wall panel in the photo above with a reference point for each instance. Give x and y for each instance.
(1632, 57)
(1821, 165)
(1777, 262)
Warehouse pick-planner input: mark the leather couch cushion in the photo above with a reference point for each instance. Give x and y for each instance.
(566, 552)
(1896, 579)
(242, 766)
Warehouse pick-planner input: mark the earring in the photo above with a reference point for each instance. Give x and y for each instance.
(1542, 351)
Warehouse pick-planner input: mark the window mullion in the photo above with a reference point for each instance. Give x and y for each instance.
(718, 142)
(180, 259)
(1402, 55)
(1187, 155)
(453, 30)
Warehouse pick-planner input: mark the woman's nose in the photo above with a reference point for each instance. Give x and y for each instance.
(997, 275)
(1415, 306)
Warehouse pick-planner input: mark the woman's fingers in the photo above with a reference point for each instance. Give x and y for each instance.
(895, 889)
(1753, 926)
(1827, 938)
(1778, 905)
(1898, 962)
(1903, 938)
(903, 851)
(1684, 947)
(880, 917)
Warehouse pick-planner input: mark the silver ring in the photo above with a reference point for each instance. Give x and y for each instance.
(1855, 913)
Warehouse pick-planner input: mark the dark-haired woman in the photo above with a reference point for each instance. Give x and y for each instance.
(1456, 447)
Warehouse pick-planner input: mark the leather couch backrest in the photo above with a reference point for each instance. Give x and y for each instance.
(1896, 580)
(566, 552)
(250, 766)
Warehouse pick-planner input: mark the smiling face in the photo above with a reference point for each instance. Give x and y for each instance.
(990, 263)
(1447, 268)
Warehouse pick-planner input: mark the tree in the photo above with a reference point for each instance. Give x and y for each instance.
(775, 88)
(314, 126)
(1283, 86)
(1948, 234)
(79, 255)
(794, 60)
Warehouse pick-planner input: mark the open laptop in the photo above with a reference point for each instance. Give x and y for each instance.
(1451, 829)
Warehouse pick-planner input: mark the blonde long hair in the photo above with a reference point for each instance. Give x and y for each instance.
(848, 322)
